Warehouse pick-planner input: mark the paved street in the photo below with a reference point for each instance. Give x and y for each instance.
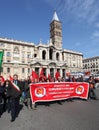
(76, 115)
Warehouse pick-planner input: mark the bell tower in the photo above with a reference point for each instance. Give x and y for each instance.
(56, 31)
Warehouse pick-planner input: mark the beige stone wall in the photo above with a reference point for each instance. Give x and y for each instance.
(19, 57)
(91, 64)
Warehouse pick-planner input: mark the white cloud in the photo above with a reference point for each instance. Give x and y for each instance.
(78, 10)
(77, 44)
(95, 39)
(97, 25)
(96, 34)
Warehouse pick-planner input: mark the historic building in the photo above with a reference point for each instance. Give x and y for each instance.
(91, 64)
(21, 57)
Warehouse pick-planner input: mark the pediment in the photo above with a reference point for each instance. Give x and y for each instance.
(52, 64)
(37, 64)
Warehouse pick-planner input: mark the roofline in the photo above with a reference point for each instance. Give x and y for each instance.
(73, 52)
(16, 42)
(96, 57)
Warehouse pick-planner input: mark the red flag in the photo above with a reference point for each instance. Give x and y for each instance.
(87, 73)
(42, 76)
(57, 75)
(34, 76)
(49, 77)
(42, 72)
(11, 78)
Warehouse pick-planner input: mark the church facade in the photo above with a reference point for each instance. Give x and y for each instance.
(23, 57)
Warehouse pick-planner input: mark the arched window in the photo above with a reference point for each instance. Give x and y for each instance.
(43, 55)
(8, 54)
(63, 56)
(63, 73)
(52, 72)
(50, 53)
(23, 70)
(8, 70)
(57, 56)
(37, 70)
(28, 56)
(16, 50)
(35, 55)
(28, 70)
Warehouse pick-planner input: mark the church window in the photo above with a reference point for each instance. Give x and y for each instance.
(50, 53)
(8, 54)
(52, 72)
(23, 70)
(57, 56)
(35, 55)
(16, 50)
(8, 70)
(44, 55)
(28, 56)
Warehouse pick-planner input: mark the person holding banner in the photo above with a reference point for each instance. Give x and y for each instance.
(28, 97)
(91, 88)
(13, 92)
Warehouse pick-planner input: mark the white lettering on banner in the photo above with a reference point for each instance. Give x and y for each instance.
(60, 92)
(51, 89)
(60, 96)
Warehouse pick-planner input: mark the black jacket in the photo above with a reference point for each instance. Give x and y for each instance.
(27, 88)
(2, 88)
(11, 91)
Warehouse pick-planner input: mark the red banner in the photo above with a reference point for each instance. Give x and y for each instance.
(58, 91)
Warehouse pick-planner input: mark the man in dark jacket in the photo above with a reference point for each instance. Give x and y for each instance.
(13, 92)
(27, 88)
(92, 93)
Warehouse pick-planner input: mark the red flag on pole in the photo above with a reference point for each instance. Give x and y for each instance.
(57, 75)
(42, 76)
(49, 77)
(11, 78)
(87, 73)
(34, 76)
(42, 72)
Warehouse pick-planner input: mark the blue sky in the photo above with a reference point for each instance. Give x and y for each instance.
(29, 20)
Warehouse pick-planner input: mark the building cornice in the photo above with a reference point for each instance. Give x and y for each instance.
(91, 58)
(72, 52)
(11, 41)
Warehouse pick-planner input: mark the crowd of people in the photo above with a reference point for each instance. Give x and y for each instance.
(15, 91)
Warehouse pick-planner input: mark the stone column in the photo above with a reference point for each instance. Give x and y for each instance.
(40, 53)
(55, 70)
(60, 58)
(54, 55)
(60, 72)
(47, 71)
(47, 54)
